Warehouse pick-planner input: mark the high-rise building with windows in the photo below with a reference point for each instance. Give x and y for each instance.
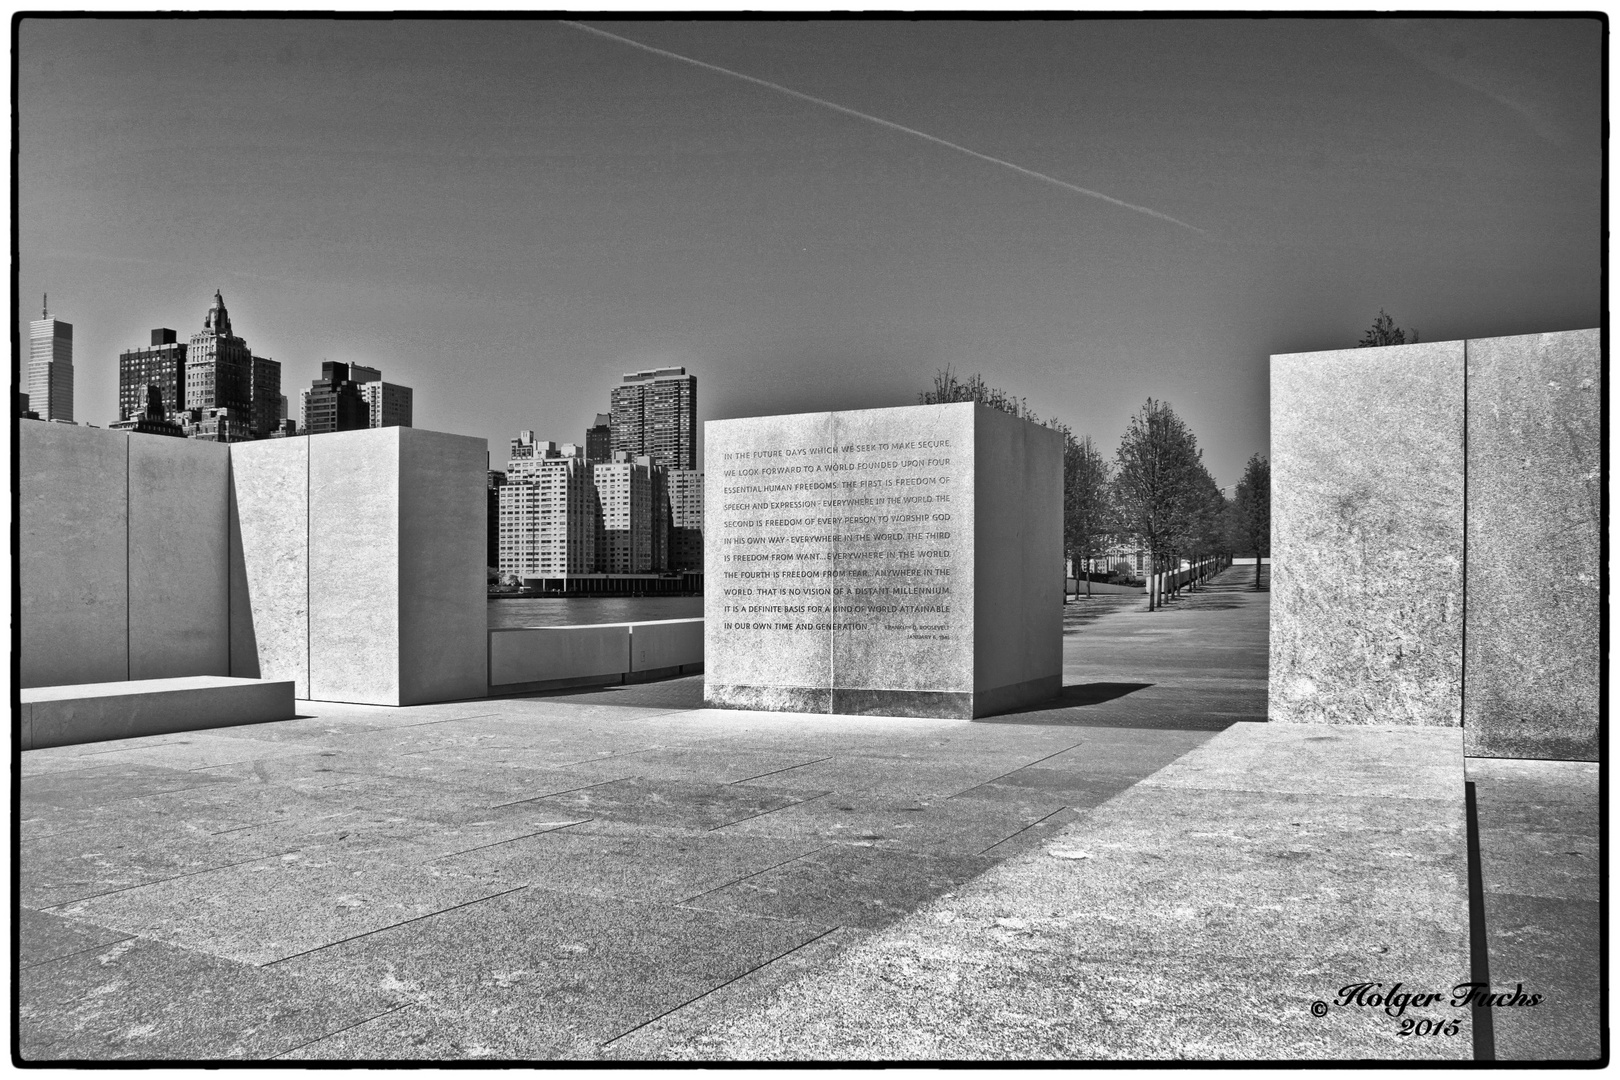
(333, 402)
(161, 364)
(265, 396)
(599, 440)
(624, 491)
(548, 511)
(387, 404)
(685, 520)
(50, 367)
(219, 368)
(654, 413)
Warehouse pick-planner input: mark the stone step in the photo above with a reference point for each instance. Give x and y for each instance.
(96, 712)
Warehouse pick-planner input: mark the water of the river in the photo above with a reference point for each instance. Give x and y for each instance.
(578, 610)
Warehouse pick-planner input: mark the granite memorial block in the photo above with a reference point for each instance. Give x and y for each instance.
(396, 566)
(179, 583)
(269, 519)
(1531, 686)
(1367, 535)
(72, 552)
(903, 562)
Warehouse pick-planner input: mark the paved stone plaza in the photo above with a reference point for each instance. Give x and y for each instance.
(620, 874)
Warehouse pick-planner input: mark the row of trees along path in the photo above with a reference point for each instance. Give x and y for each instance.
(1155, 489)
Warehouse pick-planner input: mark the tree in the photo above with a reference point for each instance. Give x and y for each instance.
(1156, 481)
(1207, 519)
(1385, 332)
(1250, 515)
(1085, 500)
(948, 388)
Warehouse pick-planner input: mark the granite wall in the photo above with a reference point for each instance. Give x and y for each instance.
(882, 561)
(121, 556)
(350, 564)
(362, 564)
(1435, 536)
(1367, 536)
(1531, 666)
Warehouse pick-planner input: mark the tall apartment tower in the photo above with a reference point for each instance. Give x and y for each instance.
(265, 397)
(219, 368)
(50, 367)
(599, 440)
(624, 490)
(333, 402)
(387, 404)
(163, 365)
(685, 520)
(654, 413)
(548, 511)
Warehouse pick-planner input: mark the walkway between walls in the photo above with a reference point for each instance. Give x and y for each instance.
(1212, 911)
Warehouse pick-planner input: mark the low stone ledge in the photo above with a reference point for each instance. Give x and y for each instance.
(97, 712)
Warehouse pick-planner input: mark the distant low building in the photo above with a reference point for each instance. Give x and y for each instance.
(154, 420)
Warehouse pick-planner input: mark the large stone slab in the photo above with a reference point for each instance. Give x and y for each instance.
(898, 562)
(179, 587)
(269, 549)
(396, 566)
(72, 552)
(1535, 491)
(97, 712)
(1367, 535)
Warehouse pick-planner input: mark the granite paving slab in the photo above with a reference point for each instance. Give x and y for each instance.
(538, 974)
(1551, 948)
(1329, 759)
(277, 907)
(851, 773)
(844, 885)
(42, 936)
(648, 1042)
(104, 784)
(139, 999)
(659, 868)
(671, 802)
(1561, 866)
(1171, 922)
(931, 825)
(200, 750)
(122, 854)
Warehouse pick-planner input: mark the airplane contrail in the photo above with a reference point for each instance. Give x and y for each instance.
(883, 123)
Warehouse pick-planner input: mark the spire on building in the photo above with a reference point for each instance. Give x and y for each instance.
(45, 305)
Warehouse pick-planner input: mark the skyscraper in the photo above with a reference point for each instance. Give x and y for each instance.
(50, 367)
(655, 413)
(686, 519)
(333, 402)
(163, 365)
(265, 396)
(624, 490)
(599, 440)
(548, 511)
(219, 368)
(388, 404)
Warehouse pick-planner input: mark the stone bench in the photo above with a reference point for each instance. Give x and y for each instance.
(527, 659)
(96, 712)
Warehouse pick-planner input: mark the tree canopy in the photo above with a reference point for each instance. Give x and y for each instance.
(1384, 332)
(1250, 516)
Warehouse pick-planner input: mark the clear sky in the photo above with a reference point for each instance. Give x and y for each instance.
(508, 215)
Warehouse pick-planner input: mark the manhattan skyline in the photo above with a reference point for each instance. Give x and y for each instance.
(508, 215)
